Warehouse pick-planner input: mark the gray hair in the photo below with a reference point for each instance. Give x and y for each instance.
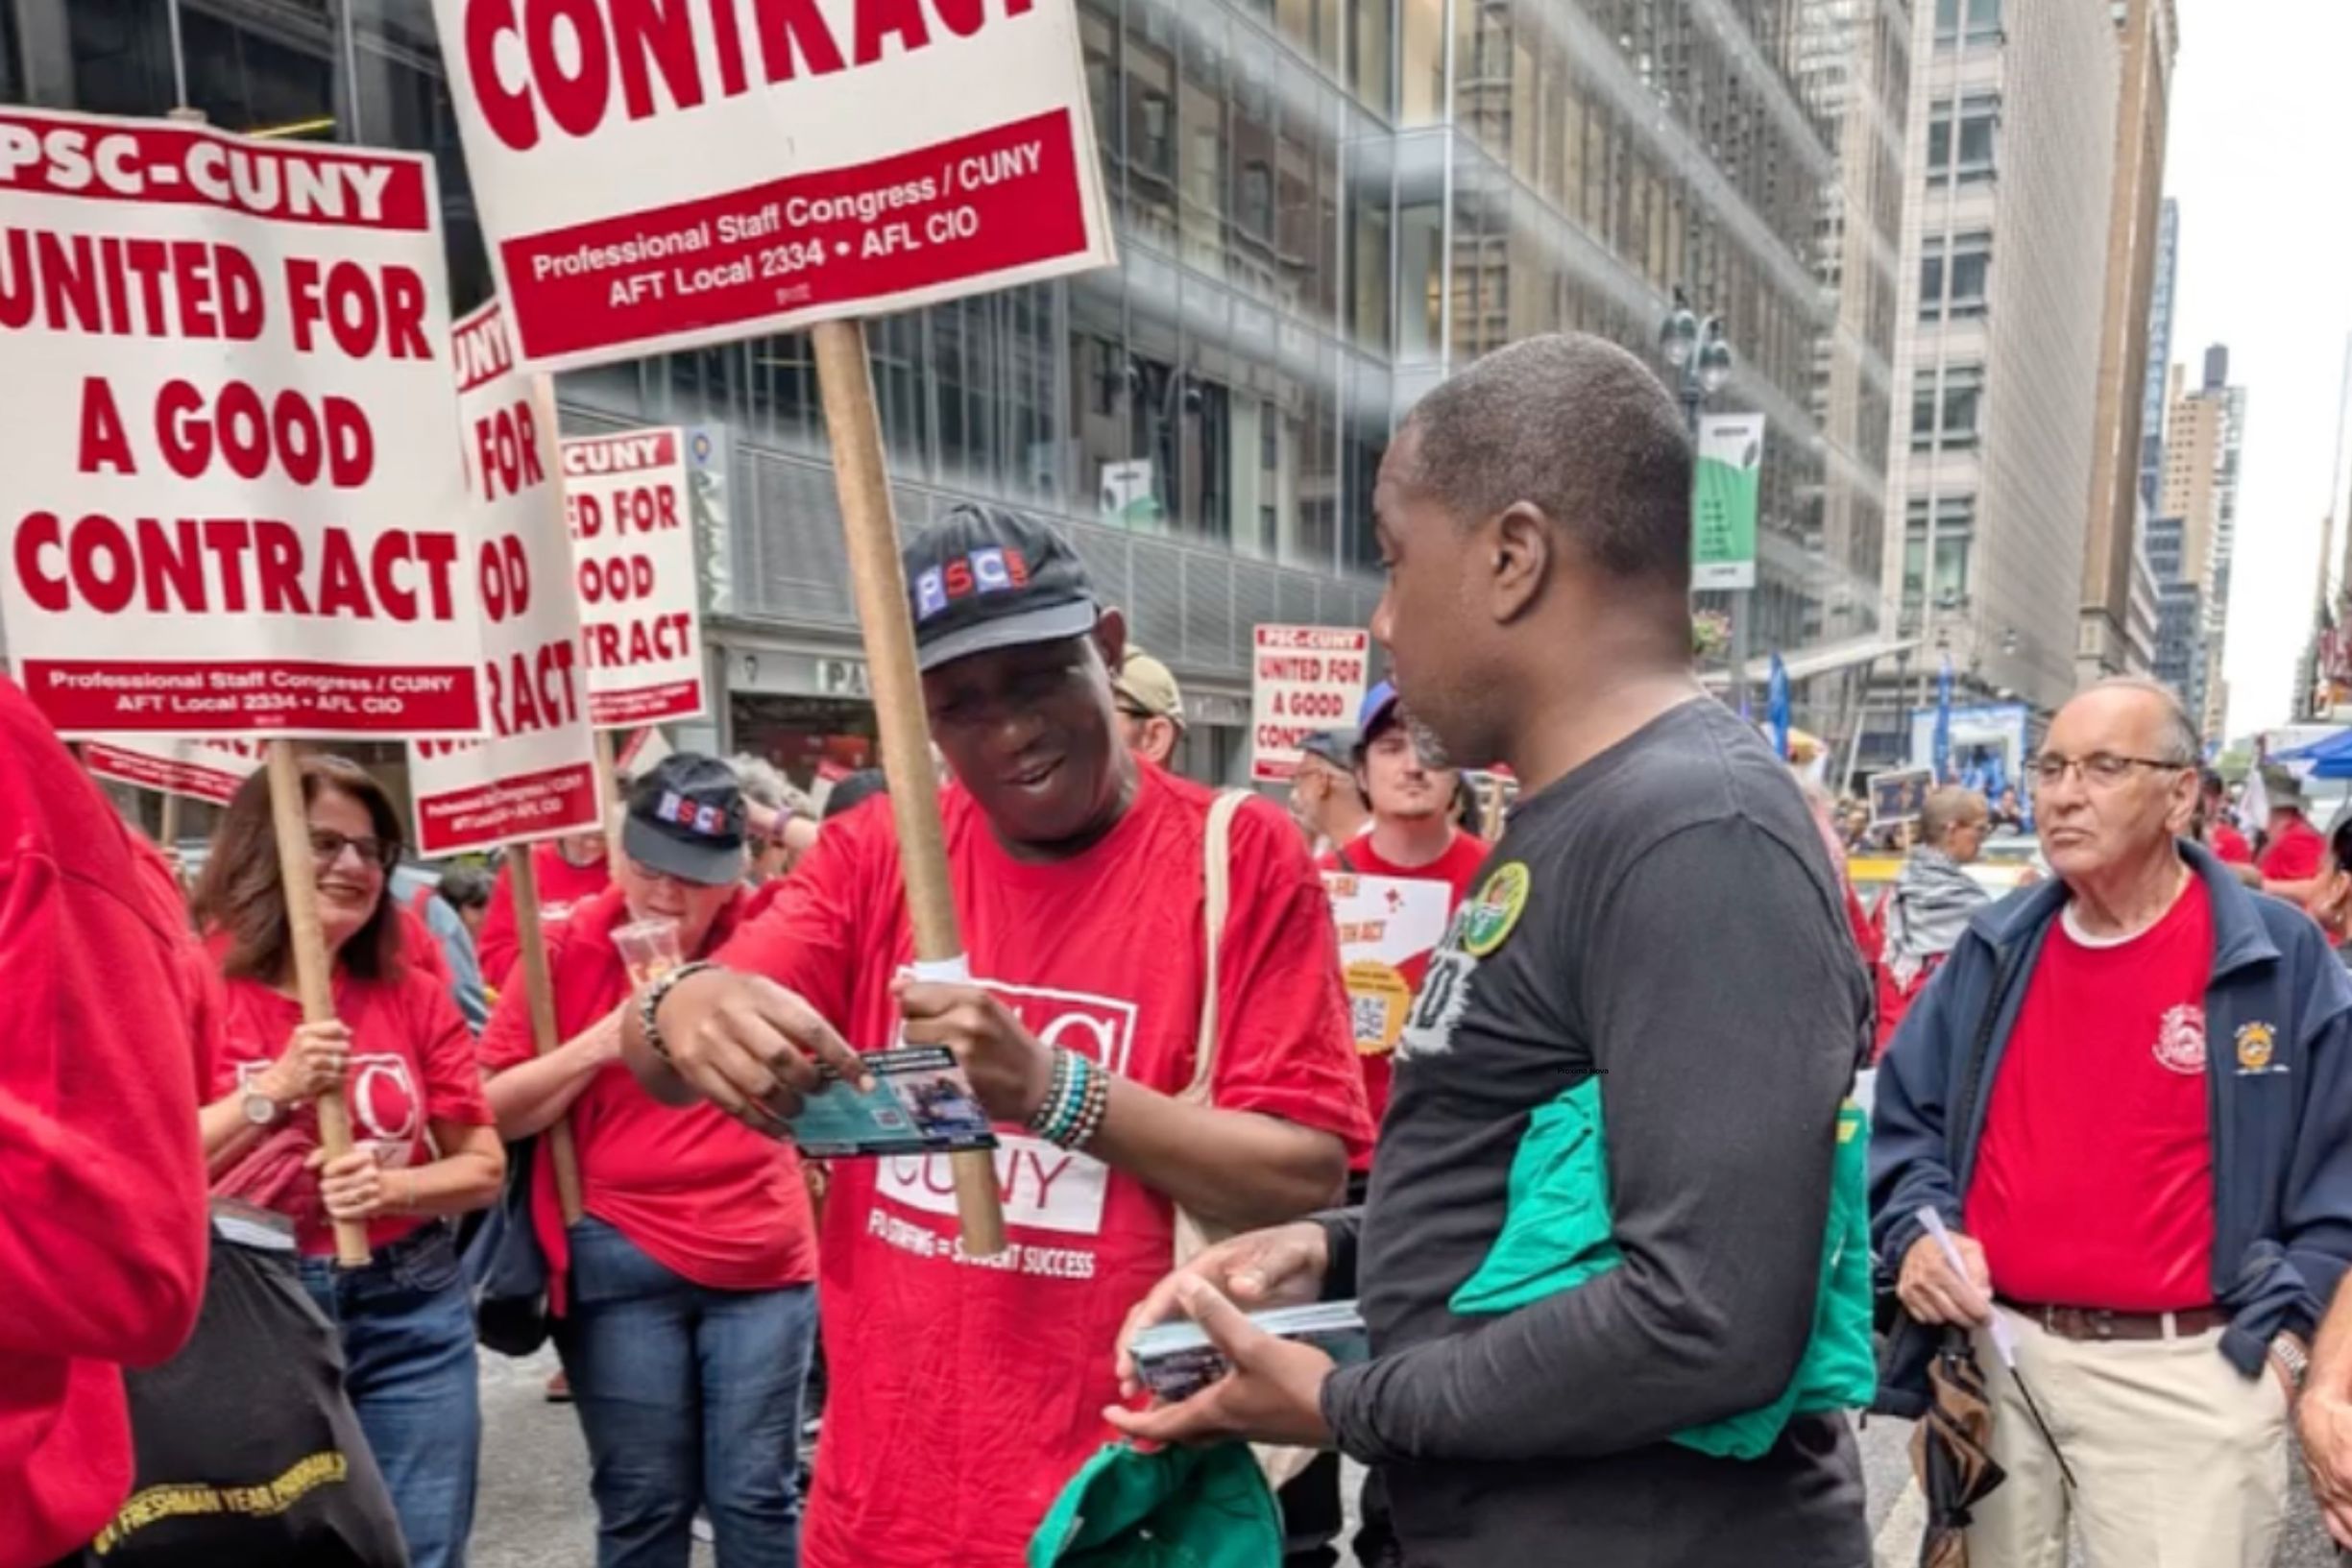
(2181, 743)
(1946, 808)
(1577, 427)
(762, 781)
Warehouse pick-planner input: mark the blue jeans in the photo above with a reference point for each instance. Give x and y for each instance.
(407, 1334)
(688, 1397)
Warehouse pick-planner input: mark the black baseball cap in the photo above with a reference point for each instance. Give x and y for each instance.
(983, 578)
(1336, 747)
(685, 820)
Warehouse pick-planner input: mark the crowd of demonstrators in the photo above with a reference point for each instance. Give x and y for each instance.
(1655, 986)
(570, 872)
(683, 1298)
(1327, 798)
(1151, 708)
(1081, 879)
(2129, 1096)
(1921, 916)
(103, 1247)
(423, 1143)
(780, 824)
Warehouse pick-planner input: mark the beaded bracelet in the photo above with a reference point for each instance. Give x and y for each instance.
(1096, 1106)
(1049, 1110)
(1082, 1084)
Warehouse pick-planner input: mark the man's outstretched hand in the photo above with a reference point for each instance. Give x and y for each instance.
(1273, 1393)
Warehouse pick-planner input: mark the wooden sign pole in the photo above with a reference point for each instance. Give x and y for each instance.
(168, 834)
(539, 985)
(313, 973)
(878, 578)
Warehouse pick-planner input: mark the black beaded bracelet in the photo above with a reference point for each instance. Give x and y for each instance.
(651, 1005)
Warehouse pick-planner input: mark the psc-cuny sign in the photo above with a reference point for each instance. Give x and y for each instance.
(1302, 679)
(660, 177)
(533, 775)
(633, 545)
(228, 466)
(198, 770)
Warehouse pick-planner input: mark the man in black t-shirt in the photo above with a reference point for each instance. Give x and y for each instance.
(1659, 944)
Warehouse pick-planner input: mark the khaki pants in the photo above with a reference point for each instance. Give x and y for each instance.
(2178, 1461)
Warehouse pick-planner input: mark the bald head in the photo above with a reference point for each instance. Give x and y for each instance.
(1948, 808)
(2171, 733)
(1578, 428)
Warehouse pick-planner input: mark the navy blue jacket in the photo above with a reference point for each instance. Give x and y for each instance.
(2281, 1117)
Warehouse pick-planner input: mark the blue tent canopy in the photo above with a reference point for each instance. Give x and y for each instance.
(2329, 758)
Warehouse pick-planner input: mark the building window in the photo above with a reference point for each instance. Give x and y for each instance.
(1968, 21)
(1955, 531)
(1964, 262)
(1979, 124)
(1963, 395)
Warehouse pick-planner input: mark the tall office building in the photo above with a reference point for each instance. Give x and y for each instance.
(2154, 382)
(2204, 432)
(2011, 163)
(2145, 40)
(1322, 207)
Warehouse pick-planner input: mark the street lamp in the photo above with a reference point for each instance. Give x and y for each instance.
(1700, 355)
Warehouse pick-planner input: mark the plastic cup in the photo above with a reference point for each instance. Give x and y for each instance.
(648, 949)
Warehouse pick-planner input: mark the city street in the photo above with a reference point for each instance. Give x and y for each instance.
(535, 1512)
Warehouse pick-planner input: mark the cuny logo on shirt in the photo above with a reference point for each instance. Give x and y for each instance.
(995, 569)
(1041, 1186)
(381, 1096)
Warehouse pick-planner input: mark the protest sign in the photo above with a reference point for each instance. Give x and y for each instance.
(231, 485)
(1303, 679)
(198, 770)
(534, 774)
(1899, 797)
(633, 548)
(657, 177)
(1387, 926)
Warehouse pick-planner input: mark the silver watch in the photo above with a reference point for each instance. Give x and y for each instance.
(260, 1109)
(2291, 1356)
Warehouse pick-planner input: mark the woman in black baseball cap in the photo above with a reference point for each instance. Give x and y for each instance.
(684, 1297)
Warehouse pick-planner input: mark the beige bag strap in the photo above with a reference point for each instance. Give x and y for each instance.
(1217, 882)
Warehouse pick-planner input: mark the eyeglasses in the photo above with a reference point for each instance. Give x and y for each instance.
(328, 846)
(2100, 770)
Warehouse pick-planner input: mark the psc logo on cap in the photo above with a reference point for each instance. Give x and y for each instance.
(707, 820)
(995, 568)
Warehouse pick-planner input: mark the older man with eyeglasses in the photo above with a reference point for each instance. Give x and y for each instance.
(2129, 1096)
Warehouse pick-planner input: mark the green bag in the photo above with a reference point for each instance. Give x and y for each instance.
(1556, 1235)
(1173, 1508)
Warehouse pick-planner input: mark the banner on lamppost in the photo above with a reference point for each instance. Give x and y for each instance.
(1723, 501)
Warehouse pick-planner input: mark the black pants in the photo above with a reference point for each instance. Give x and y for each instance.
(1313, 1516)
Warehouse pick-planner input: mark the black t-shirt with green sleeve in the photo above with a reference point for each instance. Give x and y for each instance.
(1667, 916)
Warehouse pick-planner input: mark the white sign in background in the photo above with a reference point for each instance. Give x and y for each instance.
(229, 471)
(633, 550)
(534, 774)
(198, 770)
(1303, 679)
(693, 174)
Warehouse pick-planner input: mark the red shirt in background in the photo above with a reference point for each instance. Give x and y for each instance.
(2229, 845)
(411, 1064)
(563, 887)
(1458, 869)
(703, 1195)
(971, 1390)
(101, 1260)
(2093, 1182)
(2297, 852)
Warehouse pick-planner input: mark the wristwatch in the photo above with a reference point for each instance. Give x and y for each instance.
(2288, 1353)
(260, 1109)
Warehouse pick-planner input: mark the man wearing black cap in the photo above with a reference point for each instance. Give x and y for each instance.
(685, 1296)
(1326, 800)
(969, 1389)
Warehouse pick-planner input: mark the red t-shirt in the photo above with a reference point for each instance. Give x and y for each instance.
(1377, 1009)
(562, 888)
(411, 1065)
(969, 1392)
(2094, 1183)
(2297, 851)
(701, 1193)
(2230, 847)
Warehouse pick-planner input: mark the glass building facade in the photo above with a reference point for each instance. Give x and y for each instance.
(1322, 207)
